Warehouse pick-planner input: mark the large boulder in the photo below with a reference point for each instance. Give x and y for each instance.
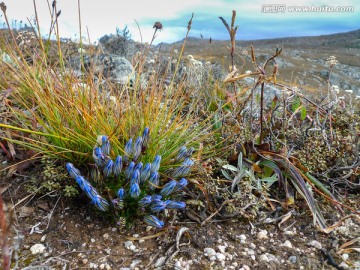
(114, 68)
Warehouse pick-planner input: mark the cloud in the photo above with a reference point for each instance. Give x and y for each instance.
(102, 17)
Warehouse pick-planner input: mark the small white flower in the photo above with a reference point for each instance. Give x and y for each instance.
(342, 98)
(349, 91)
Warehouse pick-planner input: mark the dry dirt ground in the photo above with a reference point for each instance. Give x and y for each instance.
(53, 232)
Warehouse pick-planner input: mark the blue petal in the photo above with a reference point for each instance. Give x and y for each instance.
(134, 190)
(118, 165)
(168, 188)
(145, 137)
(153, 221)
(145, 173)
(121, 193)
(108, 169)
(137, 148)
(175, 205)
(155, 165)
(72, 170)
(105, 146)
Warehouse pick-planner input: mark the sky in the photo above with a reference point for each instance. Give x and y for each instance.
(256, 19)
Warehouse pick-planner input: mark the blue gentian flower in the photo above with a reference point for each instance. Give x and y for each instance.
(108, 169)
(154, 180)
(168, 188)
(155, 165)
(174, 205)
(145, 201)
(137, 148)
(153, 221)
(105, 145)
(145, 137)
(180, 185)
(128, 150)
(129, 170)
(90, 190)
(181, 154)
(118, 166)
(135, 178)
(134, 190)
(100, 203)
(157, 207)
(99, 157)
(138, 166)
(145, 173)
(72, 170)
(156, 198)
(121, 193)
(183, 169)
(118, 203)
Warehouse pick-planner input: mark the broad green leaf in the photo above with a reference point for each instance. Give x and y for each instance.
(303, 113)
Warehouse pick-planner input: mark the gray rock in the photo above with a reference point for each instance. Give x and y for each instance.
(112, 67)
(292, 259)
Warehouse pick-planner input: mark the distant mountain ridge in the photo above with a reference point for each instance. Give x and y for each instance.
(339, 40)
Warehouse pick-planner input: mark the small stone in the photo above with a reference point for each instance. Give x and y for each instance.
(222, 249)
(287, 244)
(213, 258)
(136, 235)
(85, 261)
(264, 258)
(252, 246)
(245, 267)
(221, 257)
(132, 247)
(209, 252)
(128, 244)
(42, 240)
(292, 259)
(106, 236)
(251, 252)
(102, 266)
(315, 244)
(92, 240)
(37, 249)
(135, 263)
(344, 265)
(262, 235)
(242, 238)
(345, 256)
(160, 261)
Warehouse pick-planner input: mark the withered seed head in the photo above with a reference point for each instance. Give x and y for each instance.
(158, 26)
(3, 7)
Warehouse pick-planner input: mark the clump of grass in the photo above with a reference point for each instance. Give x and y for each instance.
(60, 116)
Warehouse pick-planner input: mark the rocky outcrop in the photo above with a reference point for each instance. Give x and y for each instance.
(115, 68)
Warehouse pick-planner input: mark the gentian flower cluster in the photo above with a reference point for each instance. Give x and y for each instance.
(137, 189)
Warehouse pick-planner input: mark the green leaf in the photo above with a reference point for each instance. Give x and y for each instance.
(295, 104)
(303, 113)
(230, 167)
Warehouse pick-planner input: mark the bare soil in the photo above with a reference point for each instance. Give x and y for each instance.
(75, 236)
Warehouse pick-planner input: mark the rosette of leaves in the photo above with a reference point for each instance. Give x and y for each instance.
(130, 189)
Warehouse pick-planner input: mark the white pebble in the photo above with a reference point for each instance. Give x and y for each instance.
(287, 244)
(264, 258)
(221, 257)
(315, 244)
(128, 244)
(37, 248)
(42, 240)
(222, 249)
(262, 235)
(160, 261)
